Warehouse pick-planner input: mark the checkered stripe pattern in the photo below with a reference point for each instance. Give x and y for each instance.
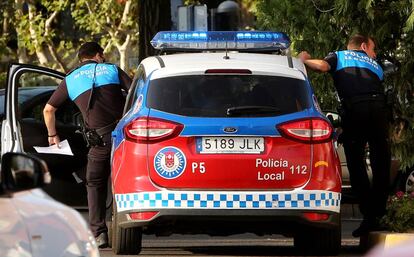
(301, 200)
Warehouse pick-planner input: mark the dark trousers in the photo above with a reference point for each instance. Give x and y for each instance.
(97, 175)
(367, 122)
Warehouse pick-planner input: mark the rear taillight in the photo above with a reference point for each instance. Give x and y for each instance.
(314, 130)
(313, 216)
(147, 215)
(151, 130)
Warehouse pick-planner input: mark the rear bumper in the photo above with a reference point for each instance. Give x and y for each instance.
(228, 212)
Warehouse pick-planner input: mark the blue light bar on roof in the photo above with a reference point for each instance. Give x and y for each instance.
(220, 40)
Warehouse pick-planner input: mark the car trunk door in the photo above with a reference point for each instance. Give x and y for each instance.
(207, 156)
(229, 138)
(19, 75)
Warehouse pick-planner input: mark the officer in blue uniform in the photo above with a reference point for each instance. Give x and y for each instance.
(96, 88)
(358, 81)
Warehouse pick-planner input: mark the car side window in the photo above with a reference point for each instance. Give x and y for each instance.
(64, 115)
(35, 90)
(136, 86)
(34, 79)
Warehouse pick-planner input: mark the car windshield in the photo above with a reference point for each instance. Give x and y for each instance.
(228, 95)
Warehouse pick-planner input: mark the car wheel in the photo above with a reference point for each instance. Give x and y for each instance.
(318, 241)
(109, 226)
(407, 182)
(109, 198)
(125, 240)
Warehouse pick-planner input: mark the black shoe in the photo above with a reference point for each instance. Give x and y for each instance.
(360, 231)
(366, 227)
(102, 240)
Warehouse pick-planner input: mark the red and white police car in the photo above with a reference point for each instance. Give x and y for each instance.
(224, 136)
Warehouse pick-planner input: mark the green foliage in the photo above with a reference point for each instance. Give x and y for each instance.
(400, 213)
(105, 21)
(189, 2)
(321, 26)
(3, 77)
(47, 34)
(38, 24)
(5, 29)
(102, 18)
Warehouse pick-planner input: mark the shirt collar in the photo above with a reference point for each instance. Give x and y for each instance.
(81, 64)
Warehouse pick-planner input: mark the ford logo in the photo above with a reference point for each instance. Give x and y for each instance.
(230, 130)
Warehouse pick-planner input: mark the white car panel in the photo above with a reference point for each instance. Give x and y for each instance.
(14, 240)
(179, 63)
(40, 223)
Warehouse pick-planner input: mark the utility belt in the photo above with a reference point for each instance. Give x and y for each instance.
(95, 137)
(348, 102)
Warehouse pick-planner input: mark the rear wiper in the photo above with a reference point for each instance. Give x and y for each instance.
(248, 110)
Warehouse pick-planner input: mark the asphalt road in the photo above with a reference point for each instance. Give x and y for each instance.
(240, 245)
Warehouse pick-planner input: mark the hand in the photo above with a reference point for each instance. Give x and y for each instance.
(54, 140)
(303, 56)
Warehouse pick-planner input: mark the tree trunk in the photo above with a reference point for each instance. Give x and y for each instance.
(123, 63)
(154, 16)
(52, 50)
(61, 66)
(125, 47)
(40, 53)
(124, 53)
(22, 54)
(21, 50)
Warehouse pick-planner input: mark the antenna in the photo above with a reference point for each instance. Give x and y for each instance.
(226, 57)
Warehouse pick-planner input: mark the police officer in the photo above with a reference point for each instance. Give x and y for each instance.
(358, 81)
(96, 88)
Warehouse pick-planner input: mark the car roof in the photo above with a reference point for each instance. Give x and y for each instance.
(197, 63)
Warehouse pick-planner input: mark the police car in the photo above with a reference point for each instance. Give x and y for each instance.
(224, 136)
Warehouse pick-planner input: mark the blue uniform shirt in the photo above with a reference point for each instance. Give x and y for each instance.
(80, 80)
(355, 73)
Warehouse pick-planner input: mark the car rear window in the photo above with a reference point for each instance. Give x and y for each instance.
(228, 95)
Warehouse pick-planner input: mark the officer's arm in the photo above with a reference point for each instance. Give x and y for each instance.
(314, 64)
(318, 65)
(50, 121)
(124, 79)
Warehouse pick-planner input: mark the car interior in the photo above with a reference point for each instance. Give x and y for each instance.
(68, 172)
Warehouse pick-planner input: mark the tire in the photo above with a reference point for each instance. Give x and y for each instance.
(318, 241)
(407, 181)
(109, 212)
(109, 225)
(127, 241)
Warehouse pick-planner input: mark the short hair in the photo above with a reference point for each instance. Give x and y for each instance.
(89, 50)
(358, 39)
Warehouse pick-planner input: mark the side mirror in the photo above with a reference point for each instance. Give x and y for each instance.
(334, 118)
(389, 67)
(21, 172)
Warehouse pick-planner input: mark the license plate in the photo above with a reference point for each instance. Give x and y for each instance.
(243, 145)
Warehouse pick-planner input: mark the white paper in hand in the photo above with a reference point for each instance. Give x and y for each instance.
(53, 149)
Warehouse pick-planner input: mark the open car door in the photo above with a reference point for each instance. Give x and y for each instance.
(28, 90)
